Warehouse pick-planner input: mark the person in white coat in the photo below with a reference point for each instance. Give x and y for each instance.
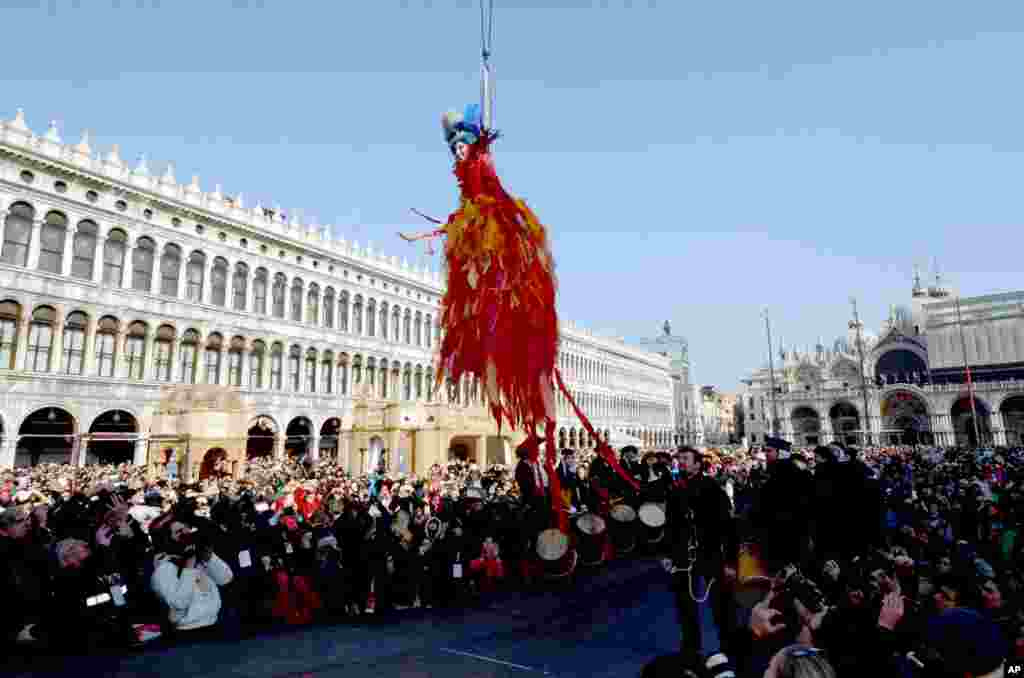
(188, 583)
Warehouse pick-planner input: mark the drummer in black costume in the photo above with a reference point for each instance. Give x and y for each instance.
(704, 547)
(655, 479)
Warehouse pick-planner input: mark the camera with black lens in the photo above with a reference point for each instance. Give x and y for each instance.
(792, 586)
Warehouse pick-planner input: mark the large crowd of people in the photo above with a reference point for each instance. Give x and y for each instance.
(859, 561)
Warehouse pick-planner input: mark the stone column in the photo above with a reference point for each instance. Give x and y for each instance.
(154, 280)
(97, 259)
(69, 251)
(998, 428)
(182, 276)
(148, 354)
(279, 440)
(8, 450)
(243, 364)
(222, 378)
(266, 366)
(139, 458)
(126, 266)
(3, 227)
(481, 451)
(33, 245)
(89, 348)
(207, 280)
(57, 345)
(313, 447)
(201, 361)
(119, 353)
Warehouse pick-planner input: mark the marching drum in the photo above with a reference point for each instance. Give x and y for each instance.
(592, 538)
(558, 559)
(623, 528)
(652, 517)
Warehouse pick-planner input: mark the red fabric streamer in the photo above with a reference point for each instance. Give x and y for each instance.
(603, 449)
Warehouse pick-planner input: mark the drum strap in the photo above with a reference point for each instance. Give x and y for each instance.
(691, 557)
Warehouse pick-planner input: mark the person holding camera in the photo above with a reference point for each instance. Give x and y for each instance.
(186, 578)
(704, 547)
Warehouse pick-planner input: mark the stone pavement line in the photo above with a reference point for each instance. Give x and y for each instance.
(492, 660)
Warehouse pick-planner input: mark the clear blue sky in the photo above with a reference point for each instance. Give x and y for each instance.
(693, 161)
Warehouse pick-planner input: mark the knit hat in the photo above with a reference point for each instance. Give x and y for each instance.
(967, 642)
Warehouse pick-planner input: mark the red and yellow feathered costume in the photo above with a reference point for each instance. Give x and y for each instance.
(499, 317)
(499, 309)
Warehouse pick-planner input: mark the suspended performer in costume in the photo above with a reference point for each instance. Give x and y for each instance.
(499, 307)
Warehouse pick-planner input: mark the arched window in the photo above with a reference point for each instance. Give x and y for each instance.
(429, 327)
(311, 371)
(170, 269)
(40, 339)
(295, 368)
(357, 315)
(277, 367)
(189, 356)
(407, 383)
(74, 342)
(419, 328)
(280, 286)
(396, 324)
(384, 320)
(343, 311)
(219, 282)
(195, 273)
(84, 250)
(371, 372)
(430, 384)
(329, 307)
(165, 349)
(256, 357)
(419, 382)
(10, 314)
(296, 300)
(343, 374)
(235, 361)
(51, 243)
(17, 234)
(259, 292)
(327, 370)
(113, 257)
(135, 350)
(240, 286)
(407, 327)
(313, 304)
(142, 264)
(106, 341)
(212, 355)
(371, 318)
(357, 371)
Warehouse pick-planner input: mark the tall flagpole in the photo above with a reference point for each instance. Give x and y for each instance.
(771, 374)
(866, 424)
(967, 371)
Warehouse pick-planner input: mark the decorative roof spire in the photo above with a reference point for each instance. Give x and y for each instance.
(239, 202)
(114, 156)
(83, 146)
(194, 187)
(19, 121)
(168, 177)
(52, 134)
(217, 195)
(142, 169)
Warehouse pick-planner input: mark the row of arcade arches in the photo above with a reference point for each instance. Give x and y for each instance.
(907, 420)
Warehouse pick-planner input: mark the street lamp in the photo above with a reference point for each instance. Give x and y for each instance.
(771, 374)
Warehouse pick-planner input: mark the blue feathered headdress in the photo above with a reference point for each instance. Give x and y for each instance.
(465, 127)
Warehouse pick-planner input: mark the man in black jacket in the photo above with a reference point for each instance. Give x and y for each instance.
(782, 517)
(704, 551)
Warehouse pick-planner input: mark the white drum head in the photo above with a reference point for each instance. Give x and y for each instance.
(592, 524)
(652, 515)
(623, 514)
(552, 544)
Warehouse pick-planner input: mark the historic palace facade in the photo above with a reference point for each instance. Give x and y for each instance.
(916, 378)
(141, 317)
